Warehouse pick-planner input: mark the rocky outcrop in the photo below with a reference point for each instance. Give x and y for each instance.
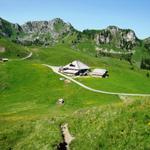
(116, 37)
(54, 26)
(104, 37)
(119, 38)
(45, 32)
(112, 37)
(53, 31)
(36, 32)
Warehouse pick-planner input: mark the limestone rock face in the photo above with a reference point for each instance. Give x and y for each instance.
(130, 37)
(120, 38)
(46, 26)
(102, 38)
(113, 29)
(56, 30)
(46, 30)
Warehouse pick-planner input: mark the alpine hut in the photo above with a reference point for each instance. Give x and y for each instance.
(75, 68)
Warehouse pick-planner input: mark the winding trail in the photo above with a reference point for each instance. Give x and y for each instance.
(27, 56)
(55, 69)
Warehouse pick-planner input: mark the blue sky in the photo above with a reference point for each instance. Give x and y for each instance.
(82, 14)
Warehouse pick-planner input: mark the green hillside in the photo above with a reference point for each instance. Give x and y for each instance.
(129, 80)
(109, 42)
(30, 116)
(27, 87)
(121, 126)
(118, 126)
(12, 50)
(10, 30)
(29, 94)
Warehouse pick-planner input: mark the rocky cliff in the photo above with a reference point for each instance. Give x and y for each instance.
(53, 31)
(45, 32)
(116, 38)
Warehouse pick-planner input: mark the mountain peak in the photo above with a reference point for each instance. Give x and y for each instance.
(112, 27)
(57, 20)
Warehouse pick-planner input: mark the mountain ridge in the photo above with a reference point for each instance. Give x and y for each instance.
(102, 42)
(29, 26)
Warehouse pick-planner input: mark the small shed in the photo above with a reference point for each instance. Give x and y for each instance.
(100, 72)
(3, 59)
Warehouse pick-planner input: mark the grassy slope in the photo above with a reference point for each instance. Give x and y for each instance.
(12, 50)
(8, 28)
(31, 117)
(29, 93)
(86, 44)
(61, 55)
(87, 47)
(122, 77)
(122, 126)
(29, 88)
(126, 80)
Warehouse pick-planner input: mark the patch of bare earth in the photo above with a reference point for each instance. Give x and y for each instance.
(2, 49)
(67, 138)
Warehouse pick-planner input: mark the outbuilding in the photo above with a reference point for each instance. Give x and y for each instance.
(100, 73)
(3, 59)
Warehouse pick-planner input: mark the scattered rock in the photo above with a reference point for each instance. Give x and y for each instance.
(126, 99)
(60, 101)
(67, 81)
(61, 79)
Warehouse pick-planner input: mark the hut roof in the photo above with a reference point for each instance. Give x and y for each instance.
(99, 71)
(70, 71)
(76, 65)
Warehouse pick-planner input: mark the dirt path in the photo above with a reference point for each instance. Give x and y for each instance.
(56, 68)
(27, 56)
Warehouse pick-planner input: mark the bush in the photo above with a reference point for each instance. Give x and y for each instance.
(147, 74)
(145, 63)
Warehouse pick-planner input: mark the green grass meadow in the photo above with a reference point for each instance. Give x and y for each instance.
(30, 117)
